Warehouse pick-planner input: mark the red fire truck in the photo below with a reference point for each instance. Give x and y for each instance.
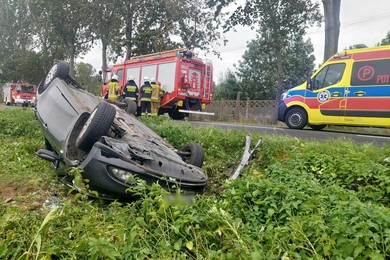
(186, 80)
(19, 94)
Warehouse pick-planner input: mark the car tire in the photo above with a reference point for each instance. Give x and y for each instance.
(97, 125)
(296, 118)
(317, 127)
(195, 154)
(60, 69)
(131, 106)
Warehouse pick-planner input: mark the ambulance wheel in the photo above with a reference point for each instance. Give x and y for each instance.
(97, 125)
(193, 154)
(296, 118)
(131, 106)
(317, 127)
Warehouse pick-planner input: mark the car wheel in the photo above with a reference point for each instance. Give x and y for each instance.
(317, 127)
(97, 125)
(60, 69)
(131, 106)
(296, 118)
(194, 154)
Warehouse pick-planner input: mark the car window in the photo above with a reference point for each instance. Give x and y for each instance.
(329, 75)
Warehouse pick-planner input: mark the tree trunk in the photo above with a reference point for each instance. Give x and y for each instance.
(104, 55)
(332, 27)
(129, 30)
(72, 54)
(280, 85)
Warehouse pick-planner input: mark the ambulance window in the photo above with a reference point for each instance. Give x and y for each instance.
(120, 75)
(329, 75)
(373, 72)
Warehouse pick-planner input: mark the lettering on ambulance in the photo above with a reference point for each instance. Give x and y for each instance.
(369, 93)
(327, 93)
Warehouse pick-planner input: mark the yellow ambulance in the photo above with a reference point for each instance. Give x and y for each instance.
(351, 88)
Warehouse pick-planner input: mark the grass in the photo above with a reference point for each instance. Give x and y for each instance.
(296, 199)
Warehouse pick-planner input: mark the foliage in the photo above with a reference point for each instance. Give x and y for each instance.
(257, 69)
(279, 22)
(256, 75)
(386, 40)
(228, 87)
(87, 77)
(296, 199)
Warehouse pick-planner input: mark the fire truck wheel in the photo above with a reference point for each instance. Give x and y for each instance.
(296, 118)
(131, 106)
(60, 69)
(97, 125)
(194, 154)
(176, 115)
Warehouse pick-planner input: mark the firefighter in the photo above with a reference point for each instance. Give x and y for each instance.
(131, 89)
(157, 93)
(113, 88)
(145, 96)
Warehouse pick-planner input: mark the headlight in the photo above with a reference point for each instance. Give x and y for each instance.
(283, 96)
(120, 174)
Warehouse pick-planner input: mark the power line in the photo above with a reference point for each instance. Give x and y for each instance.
(355, 22)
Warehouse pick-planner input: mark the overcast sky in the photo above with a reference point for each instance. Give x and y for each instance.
(362, 21)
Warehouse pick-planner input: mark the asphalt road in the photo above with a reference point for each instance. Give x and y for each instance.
(310, 134)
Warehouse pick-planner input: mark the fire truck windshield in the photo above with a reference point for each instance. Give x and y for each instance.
(26, 89)
(107, 77)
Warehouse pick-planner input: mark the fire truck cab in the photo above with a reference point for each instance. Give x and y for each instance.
(186, 80)
(19, 94)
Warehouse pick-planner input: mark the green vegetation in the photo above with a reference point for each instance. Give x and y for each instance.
(296, 199)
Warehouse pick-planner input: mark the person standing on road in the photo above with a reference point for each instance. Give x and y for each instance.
(113, 88)
(145, 96)
(131, 89)
(157, 93)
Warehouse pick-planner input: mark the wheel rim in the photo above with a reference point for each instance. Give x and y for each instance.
(295, 119)
(51, 74)
(84, 129)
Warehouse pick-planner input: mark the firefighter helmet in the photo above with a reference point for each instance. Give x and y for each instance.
(146, 79)
(153, 80)
(115, 77)
(130, 77)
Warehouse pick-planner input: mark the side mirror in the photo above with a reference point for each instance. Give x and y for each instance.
(309, 84)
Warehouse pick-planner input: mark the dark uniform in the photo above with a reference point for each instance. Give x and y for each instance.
(131, 90)
(146, 97)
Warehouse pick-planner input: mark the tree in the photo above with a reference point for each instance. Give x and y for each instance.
(106, 25)
(71, 21)
(279, 21)
(386, 40)
(85, 74)
(332, 27)
(228, 87)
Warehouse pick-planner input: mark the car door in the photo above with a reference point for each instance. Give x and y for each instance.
(326, 98)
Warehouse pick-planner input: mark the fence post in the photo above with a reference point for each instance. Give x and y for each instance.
(247, 109)
(237, 116)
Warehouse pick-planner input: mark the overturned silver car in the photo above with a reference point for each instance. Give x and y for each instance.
(109, 144)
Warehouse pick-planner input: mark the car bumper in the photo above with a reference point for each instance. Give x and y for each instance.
(101, 159)
(282, 107)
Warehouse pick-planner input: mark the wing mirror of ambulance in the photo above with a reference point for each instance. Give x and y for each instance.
(309, 84)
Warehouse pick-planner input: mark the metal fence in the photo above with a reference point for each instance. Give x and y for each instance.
(238, 110)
